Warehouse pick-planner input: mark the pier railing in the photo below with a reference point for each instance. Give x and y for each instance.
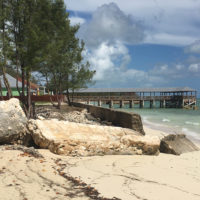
(134, 98)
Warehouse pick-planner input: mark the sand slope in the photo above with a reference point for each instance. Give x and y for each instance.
(143, 177)
(28, 178)
(125, 177)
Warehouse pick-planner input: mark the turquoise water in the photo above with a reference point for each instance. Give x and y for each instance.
(180, 120)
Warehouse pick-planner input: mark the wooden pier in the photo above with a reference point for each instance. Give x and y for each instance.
(164, 97)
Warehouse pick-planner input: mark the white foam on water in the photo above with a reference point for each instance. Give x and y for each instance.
(191, 133)
(161, 127)
(192, 123)
(147, 122)
(166, 120)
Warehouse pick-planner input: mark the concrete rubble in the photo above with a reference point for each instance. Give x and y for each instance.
(13, 123)
(76, 139)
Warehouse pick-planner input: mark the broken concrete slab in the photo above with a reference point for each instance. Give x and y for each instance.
(75, 139)
(177, 144)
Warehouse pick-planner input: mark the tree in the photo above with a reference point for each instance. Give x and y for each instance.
(63, 68)
(36, 36)
(27, 42)
(81, 76)
(4, 42)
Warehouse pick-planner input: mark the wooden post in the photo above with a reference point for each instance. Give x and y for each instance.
(141, 103)
(161, 103)
(111, 104)
(183, 103)
(152, 103)
(121, 103)
(99, 103)
(131, 104)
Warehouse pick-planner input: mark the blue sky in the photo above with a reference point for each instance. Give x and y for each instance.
(140, 43)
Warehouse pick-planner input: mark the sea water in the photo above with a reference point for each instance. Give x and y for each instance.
(180, 120)
(168, 119)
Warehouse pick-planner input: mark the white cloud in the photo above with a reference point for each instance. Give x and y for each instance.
(195, 68)
(169, 72)
(76, 20)
(179, 67)
(193, 48)
(107, 59)
(110, 24)
(168, 39)
(110, 61)
(130, 6)
(171, 22)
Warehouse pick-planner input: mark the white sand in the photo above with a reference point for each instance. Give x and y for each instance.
(163, 177)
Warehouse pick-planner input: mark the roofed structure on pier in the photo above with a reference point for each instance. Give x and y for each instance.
(136, 90)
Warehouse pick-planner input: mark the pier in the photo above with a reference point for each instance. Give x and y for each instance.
(164, 97)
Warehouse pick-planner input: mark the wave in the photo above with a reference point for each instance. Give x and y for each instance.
(192, 123)
(161, 127)
(192, 134)
(166, 120)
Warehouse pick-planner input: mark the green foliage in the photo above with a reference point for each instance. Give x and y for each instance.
(36, 36)
(64, 68)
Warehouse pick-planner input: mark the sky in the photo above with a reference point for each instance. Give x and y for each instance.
(140, 43)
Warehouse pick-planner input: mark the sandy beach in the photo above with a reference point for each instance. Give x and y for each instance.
(165, 176)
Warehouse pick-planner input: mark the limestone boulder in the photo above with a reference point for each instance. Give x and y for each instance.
(13, 123)
(76, 139)
(177, 144)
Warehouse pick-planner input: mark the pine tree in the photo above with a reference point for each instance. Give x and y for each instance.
(63, 68)
(4, 43)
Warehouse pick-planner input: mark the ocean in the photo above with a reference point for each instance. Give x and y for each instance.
(179, 120)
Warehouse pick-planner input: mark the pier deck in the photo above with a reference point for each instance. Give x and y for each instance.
(167, 97)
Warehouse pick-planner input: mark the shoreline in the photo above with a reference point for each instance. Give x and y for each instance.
(161, 131)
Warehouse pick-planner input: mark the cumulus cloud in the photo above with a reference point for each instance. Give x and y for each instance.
(110, 62)
(166, 22)
(110, 24)
(128, 6)
(193, 48)
(195, 68)
(106, 59)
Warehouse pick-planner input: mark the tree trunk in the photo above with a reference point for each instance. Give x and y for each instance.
(6, 83)
(68, 98)
(4, 51)
(23, 86)
(17, 82)
(28, 96)
(1, 93)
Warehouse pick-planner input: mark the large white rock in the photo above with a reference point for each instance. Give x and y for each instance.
(69, 138)
(12, 122)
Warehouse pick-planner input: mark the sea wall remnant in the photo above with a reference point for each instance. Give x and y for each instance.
(117, 117)
(177, 144)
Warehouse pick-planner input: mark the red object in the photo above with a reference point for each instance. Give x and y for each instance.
(43, 98)
(33, 85)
